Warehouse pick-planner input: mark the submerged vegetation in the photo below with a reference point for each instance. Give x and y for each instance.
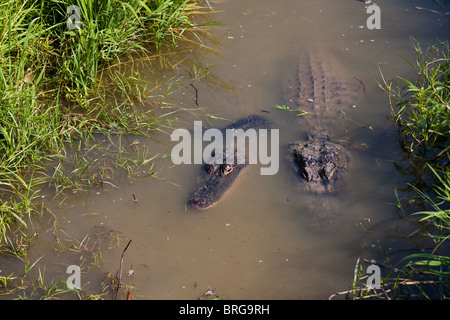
(62, 87)
(421, 109)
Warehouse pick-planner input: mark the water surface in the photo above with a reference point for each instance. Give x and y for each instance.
(266, 239)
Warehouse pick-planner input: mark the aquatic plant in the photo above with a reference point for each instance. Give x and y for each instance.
(422, 113)
(60, 88)
(422, 109)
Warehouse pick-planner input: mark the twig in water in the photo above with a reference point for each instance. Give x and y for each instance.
(196, 93)
(381, 265)
(119, 281)
(207, 293)
(434, 11)
(363, 85)
(129, 293)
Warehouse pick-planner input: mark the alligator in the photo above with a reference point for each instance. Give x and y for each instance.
(216, 178)
(319, 161)
(320, 95)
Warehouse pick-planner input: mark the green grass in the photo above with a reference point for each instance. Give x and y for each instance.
(421, 109)
(62, 89)
(421, 106)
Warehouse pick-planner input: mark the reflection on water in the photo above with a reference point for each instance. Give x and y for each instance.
(265, 239)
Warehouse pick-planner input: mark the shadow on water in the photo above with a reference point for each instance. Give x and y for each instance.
(266, 239)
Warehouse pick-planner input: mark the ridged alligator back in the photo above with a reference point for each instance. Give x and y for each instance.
(253, 121)
(320, 87)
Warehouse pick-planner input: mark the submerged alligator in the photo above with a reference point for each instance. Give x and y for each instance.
(320, 93)
(214, 179)
(318, 160)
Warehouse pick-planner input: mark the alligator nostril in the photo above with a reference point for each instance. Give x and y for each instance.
(198, 201)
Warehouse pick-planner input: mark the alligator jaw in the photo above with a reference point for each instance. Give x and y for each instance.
(213, 185)
(216, 179)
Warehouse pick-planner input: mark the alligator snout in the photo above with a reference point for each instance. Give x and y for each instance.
(199, 203)
(215, 179)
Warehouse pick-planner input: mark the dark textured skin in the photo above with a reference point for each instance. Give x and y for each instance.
(215, 179)
(319, 163)
(322, 92)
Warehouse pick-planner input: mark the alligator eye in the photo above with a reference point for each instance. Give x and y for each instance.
(227, 169)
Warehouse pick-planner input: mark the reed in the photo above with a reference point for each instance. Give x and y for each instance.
(421, 109)
(61, 88)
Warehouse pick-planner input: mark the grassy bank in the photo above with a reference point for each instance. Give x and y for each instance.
(58, 91)
(421, 109)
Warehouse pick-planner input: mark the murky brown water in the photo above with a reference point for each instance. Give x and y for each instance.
(263, 240)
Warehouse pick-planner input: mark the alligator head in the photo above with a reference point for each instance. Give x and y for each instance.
(319, 163)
